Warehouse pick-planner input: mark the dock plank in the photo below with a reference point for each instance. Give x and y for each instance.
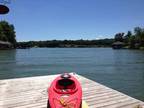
(32, 93)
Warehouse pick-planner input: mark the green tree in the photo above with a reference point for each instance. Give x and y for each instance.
(132, 42)
(119, 37)
(139, 34)
(127, 38)
(7, 32)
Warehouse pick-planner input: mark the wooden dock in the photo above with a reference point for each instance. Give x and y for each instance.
(32, 93)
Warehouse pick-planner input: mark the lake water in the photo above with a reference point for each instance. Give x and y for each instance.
(122, 70)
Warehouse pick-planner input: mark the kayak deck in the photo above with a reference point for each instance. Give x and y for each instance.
(32, 93)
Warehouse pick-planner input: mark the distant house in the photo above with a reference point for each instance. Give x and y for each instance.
(117, 45)
(5, 45)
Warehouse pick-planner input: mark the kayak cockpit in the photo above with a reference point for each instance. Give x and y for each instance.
(66, 86)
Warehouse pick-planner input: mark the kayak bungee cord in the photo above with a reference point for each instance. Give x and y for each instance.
(66, 104)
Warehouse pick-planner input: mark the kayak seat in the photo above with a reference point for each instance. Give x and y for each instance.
(65, 85)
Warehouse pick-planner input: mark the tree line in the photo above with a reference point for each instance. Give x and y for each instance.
(7, 33)
(67, 43)
(132, 39)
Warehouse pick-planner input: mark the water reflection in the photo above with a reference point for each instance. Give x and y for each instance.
(7, 63)
(129, 76)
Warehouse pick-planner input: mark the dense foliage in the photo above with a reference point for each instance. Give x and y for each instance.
(7, 33)
(67, 43)
(133, 40)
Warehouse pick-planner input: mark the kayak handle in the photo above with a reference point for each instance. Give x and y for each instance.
(65, 76)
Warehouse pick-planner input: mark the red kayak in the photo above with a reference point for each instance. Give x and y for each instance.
(65, 92)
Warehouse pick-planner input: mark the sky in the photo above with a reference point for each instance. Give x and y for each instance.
(73, 19)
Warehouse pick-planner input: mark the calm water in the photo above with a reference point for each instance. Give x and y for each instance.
(120, 69)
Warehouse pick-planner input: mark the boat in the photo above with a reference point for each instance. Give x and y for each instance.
(65, 92)
(118, 45)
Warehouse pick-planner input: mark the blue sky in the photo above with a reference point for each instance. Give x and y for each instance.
(73, 19)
